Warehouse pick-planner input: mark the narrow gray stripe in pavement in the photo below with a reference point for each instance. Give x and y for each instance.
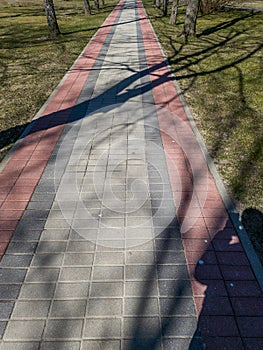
(160, 187)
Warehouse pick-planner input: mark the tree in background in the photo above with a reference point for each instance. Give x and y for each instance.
(206, 6)
(165, 7)
(51, 18)
(190, 18)
(174, 12)
(97, 5)
(157, 3)
(87, 7)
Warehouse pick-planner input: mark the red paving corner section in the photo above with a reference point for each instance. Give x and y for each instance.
(23, 170)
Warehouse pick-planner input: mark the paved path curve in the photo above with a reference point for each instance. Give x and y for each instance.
(113, 234)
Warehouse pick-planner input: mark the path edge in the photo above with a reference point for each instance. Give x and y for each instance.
(228, 202)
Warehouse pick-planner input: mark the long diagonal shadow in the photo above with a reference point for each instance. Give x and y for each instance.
(79, 111)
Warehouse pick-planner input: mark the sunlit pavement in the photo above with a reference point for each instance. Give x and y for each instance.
(113, 233)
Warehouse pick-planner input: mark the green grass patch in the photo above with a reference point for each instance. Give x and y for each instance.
(31, 65)
(220, 73)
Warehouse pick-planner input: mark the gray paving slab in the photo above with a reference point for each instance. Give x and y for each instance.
(141, 306)
(63, 328)
(9, 291)
(30, 345)
(71, 290)
(142, 327)
(16, 260)
(68, 308)
(106, 345)
(42, 274)
(107, 289)
(24, 234)
(12, 275)
(55, 235)
(47, 259)
(24, 330)
(30, 291)
(31, 309)
(75, 274)
(5, 309)
(104, 307)
(102, 328)
(21, 247)
(178, 326)
(51, 247)
(60, 345)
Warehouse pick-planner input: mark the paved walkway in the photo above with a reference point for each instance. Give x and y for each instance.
(113, 234)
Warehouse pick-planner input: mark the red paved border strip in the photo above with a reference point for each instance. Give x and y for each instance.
(23, 170)
(220, 272)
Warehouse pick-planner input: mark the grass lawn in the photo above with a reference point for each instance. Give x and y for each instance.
(31, 65)
(221, 74)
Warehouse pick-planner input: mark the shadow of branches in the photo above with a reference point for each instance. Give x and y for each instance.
(219, 73)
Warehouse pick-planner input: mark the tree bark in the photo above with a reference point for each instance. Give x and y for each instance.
(87, 7)
(51, 18)
(97, 5)
(103, 2)
(165, 7)
(174, 12)
(190, 18)
(204, 6)
(157, 3)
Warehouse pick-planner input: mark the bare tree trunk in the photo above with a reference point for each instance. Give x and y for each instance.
(165, 7)
(205, 6)
(174, 12)
(97, 5)
(202, 6)
(51, 18)
(190, 18)
(157, 3)
(87, 7)
(102, 2)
